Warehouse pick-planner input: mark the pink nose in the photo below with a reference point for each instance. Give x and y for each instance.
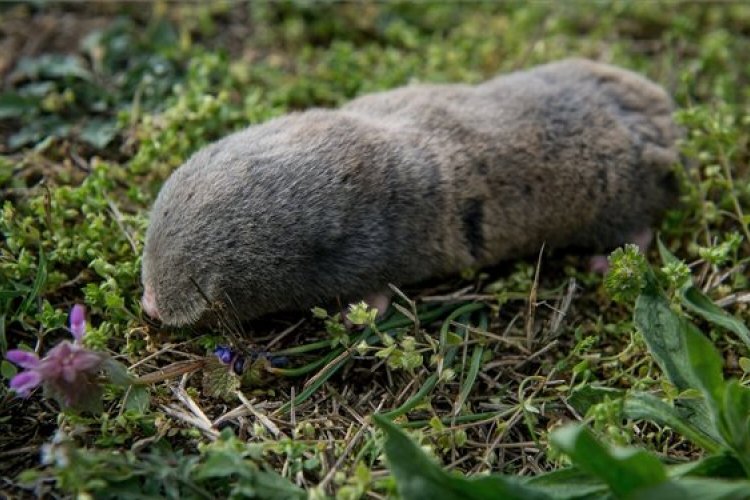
(149, 303)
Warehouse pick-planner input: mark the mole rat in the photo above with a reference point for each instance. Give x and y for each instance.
(414, 183)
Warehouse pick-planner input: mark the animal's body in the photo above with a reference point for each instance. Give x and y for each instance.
(409, 184)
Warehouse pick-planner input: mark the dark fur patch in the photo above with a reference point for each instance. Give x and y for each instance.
(624, 106)
(604, 79)
(482, 168)
(670, 183)
(473, 215)
(603, 178)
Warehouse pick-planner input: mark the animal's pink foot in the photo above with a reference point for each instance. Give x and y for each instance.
(380, 301)
(148, 302)
(599, 264)
(642, 239)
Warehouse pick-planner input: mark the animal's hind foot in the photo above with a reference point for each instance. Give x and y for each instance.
(641, 239)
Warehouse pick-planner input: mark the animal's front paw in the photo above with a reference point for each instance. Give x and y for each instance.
(642, 239)
(380, 301)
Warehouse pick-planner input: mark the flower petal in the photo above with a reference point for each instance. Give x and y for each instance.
(224, 354)
(24, 359)
(24, 382)
(84, 360)
(69, 373)
(78, 322)
(60, 353)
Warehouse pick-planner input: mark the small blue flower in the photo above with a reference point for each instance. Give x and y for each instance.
(224, 354)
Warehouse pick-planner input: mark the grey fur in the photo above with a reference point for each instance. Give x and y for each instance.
(410, 184)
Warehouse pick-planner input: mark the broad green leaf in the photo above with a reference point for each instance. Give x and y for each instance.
(624, 470)
(37, 89)
(138, 399)
(736, 419)
(25, 136)
(219, 380)
(584, 397)
(269, 485)
(569, 484)
(700, 304)
(419, 477)
(98, 133)
(14, 105)
(662, 331)
(52, 66)
(706, 364)
(41, 128)
(722, 465)
(696, 489)
(645, 406)
(223, 463)
(117, 373)
(7, 369)
(251, 481)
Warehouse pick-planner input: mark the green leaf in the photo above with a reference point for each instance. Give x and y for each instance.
(697, 489)
(662, 330)
(645, 406)
(419, 477)
(14, 105)
(569, 484)
(99, 133)
(700, 304)
(252, 482)
(116, 372)
(223, 463)
(706, 364)
(471, 377)
(667, 257)
(3, 336)
(665, 334)
(269, 485)
(736, 419)
(39, 282)
(11, 294)
(25, 136)
(219, 380)
(722, 465)
(584, 397)
(624, 470)
(138, 399)
(8, 370)
(52, 66)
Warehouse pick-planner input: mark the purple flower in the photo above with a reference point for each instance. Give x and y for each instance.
(24, 359)
(25, 382)
(224, 354)
(78, 322)
(68, 372)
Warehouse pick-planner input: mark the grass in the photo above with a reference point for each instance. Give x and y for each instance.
(101, 102)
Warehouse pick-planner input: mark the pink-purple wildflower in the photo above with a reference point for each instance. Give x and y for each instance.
(67, 373)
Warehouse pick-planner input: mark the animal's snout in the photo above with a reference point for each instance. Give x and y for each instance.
(149, 303)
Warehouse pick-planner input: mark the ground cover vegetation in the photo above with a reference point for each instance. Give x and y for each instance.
(535, 379)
